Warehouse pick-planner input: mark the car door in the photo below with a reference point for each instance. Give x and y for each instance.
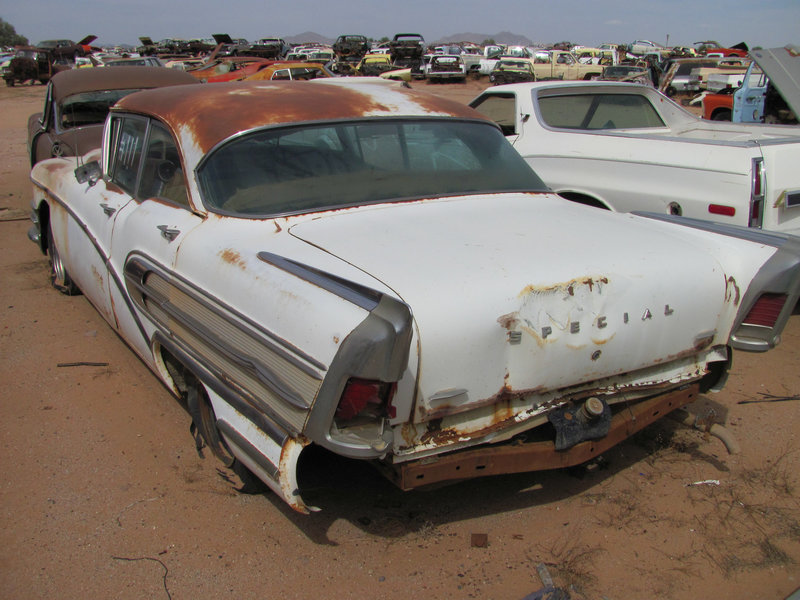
(152, 226)
(90, 218)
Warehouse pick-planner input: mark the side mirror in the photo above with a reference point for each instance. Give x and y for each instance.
(89, 172)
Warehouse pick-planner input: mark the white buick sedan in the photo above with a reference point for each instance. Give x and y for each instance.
(376, 271)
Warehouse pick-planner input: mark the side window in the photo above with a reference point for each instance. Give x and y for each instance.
(500, 108)
(599, 111)
(128, 134)
(162, 176)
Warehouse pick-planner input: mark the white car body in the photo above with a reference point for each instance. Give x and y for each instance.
(678, 164)
(416, 308)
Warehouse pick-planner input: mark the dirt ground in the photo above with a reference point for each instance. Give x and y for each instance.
(102, 494)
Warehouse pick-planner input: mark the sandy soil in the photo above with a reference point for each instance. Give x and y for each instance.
(103, 495)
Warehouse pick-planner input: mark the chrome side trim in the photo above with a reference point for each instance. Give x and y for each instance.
(246, 357)
(251, 451)
(138, 264)
(360, 295)
(248, 408)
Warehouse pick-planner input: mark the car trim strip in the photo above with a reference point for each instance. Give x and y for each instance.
(279, 344)
(251, 451)
(137, 269)
(238, 400)
(360, 295)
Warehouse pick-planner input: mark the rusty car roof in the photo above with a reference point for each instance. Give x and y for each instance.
(74, 81)
(213, 113)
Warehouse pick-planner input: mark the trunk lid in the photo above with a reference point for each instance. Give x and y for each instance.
(514, 294)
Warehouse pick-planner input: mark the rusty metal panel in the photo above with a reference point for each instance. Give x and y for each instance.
(539, 456)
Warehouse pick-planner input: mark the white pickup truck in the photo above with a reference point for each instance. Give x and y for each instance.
(627, 147)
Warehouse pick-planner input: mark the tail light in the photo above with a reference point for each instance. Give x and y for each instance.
(721, 209)
(758, 186)
(363, 398)
(766, 310)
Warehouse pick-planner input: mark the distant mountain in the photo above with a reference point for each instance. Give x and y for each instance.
(504, 37)
(309, 37)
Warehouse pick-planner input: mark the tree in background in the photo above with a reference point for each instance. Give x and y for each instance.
(9, 36)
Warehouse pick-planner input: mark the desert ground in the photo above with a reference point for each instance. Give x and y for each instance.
(103, 495)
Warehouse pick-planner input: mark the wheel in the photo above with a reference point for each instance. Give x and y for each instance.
(206, 434)
(722, 115)
(59, 277)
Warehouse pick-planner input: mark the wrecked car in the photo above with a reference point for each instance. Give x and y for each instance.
(274, 48)
(406, 50)
(627, 147)
(512, 70)
(351, 264)
(373, 65)
(630, 73)
(445, 67)
(76, 104)
(288, 71)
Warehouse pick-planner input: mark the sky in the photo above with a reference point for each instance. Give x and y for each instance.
(766, 23)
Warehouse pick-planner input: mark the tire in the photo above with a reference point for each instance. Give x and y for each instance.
(722, 115)
(59, 277)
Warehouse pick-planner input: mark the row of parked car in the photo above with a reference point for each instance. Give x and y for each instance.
(446, 291)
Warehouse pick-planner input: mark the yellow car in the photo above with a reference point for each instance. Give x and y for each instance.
(290, 71)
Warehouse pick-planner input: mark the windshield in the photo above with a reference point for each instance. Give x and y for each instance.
(88, 108)
(316, 167)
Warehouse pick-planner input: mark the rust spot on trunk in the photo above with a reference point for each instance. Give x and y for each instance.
(732, 291)
(508, 321)
(567, 287)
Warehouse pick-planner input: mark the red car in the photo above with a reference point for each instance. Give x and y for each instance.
(229, 68)
(718, 107)
(715, 48)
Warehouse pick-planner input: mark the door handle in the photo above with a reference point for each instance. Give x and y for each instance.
(109, 210)
(167, 233)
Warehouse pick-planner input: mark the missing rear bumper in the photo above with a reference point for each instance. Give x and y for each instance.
(539, 456)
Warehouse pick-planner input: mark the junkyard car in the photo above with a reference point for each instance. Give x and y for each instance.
(374, 270)
(77, 102)
(627, 147)
(512, 70)
(446, 67)
(229, 68)
(372, 65)
(290, 71)
(141, 61)
(630, 73)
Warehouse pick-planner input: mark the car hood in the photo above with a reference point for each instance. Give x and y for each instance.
(523, 293)
(782, 66)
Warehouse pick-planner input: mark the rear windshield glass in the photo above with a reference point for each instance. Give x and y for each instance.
(314, 167)
(88, 108)
(599, 111)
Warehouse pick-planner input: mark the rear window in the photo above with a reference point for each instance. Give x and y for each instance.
(316, 167)
(88, 108)
(599, 111)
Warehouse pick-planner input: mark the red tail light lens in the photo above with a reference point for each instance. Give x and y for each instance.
(366, 398)
(721, 209)
(766, 310)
